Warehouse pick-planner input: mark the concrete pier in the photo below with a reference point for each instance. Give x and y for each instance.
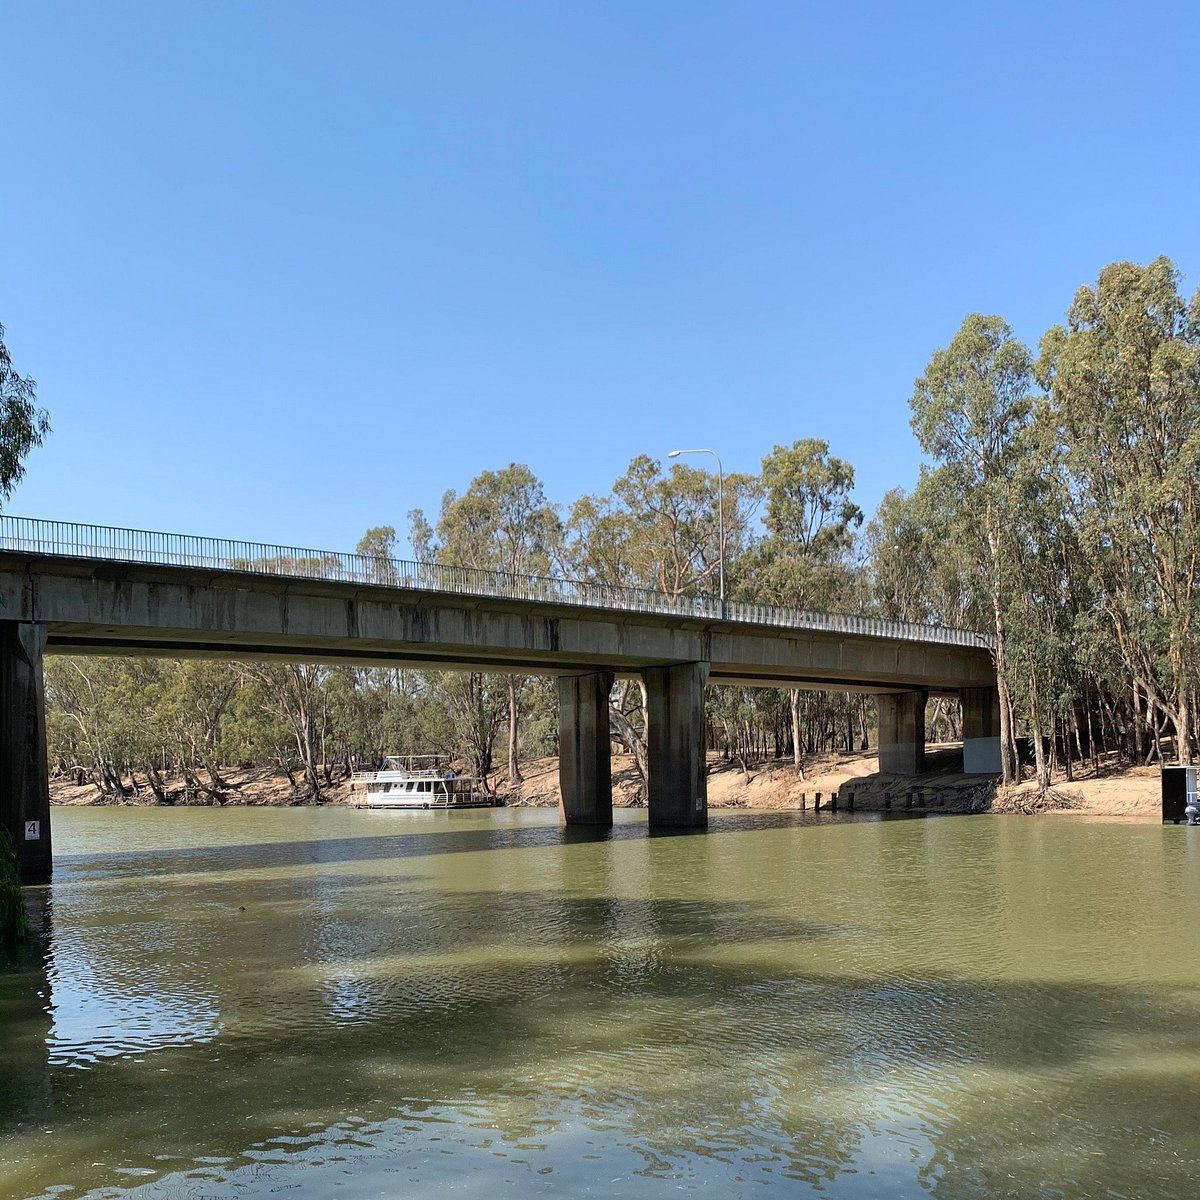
(584, 751)
(902, 732)
(981, 731)
(677, 783)
(24, 774)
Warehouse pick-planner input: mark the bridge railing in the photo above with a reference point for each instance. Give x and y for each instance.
(28, 535)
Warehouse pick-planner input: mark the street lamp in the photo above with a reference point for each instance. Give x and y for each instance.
(720, 514)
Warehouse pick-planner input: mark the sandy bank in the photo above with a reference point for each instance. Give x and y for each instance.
(1131, 792)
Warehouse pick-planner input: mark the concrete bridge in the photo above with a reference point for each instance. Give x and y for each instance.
(79, 589)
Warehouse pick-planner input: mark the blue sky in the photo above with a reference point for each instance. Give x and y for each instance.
(284, 271)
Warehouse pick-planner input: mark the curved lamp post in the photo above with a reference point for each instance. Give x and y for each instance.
(720, 515)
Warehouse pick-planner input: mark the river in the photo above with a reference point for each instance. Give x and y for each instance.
(331, 1003)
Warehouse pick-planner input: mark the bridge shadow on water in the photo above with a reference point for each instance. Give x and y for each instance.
(426, 842)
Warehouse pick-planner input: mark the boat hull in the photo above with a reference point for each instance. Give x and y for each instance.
(411, 802)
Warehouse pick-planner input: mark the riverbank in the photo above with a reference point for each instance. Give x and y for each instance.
(1130, 792)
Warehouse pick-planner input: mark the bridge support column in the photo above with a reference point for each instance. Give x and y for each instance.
(24, 775)
(981, 731)
(902, 732)
(677, 774)
(584, 749)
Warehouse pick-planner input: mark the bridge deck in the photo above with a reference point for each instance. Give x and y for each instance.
(90, 605)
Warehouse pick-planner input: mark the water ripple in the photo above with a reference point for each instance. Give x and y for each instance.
(320, 1003)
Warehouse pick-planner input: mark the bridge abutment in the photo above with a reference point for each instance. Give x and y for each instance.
(981, 731)
(677, 774)
(902, 732)
(584, 749)
(24, 774)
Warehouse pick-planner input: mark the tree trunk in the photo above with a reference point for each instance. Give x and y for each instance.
(154, 779)
(196, 784)
(1182, 728)
(630, 738)
(1008, 745)
(514, 771)
(797, 741)
(1137, 725)
(210, 765)
(1093, 743)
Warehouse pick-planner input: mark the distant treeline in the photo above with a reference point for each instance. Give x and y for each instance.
(1058, 511)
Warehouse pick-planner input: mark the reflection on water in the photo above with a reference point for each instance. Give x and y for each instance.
(225, 1004)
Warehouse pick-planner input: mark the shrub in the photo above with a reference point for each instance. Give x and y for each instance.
(13, 924)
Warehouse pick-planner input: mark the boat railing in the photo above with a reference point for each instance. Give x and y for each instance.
(400, 774)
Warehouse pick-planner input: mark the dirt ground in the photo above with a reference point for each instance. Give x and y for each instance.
(1129, 792)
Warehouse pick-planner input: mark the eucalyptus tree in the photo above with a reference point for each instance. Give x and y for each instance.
(106, 716)
(375, 711)
(803, 561)
(23, 426)
(968, 408)
(914, 570)
(356, 700)
(502, 523)
(293, 697)
(660, 532)
(195, 699)
(475, 704)
(804, 558)
(378, 547)
(1042, 606)
(1123, 376)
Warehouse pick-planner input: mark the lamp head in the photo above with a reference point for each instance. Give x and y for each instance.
(674, 453)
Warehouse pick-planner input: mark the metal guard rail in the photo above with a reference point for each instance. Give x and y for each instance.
(28, 535)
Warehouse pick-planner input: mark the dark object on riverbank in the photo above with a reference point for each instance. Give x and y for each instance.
(1179, 794)
(14, 925)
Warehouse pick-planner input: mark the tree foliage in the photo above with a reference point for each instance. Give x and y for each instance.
(23, 425)
(970, 408)
(1123, 384)
(14, 925)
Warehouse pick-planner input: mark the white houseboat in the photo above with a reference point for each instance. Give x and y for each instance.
(419, 781)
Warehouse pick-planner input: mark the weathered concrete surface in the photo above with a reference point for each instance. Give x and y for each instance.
(676, 770)
(584, 749)
(902, 733)
(981, 731)
(91, 607)
(24, 774)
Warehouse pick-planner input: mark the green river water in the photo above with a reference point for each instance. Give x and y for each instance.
(330, 1003)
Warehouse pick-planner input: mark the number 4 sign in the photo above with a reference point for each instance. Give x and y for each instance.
(33, 831)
